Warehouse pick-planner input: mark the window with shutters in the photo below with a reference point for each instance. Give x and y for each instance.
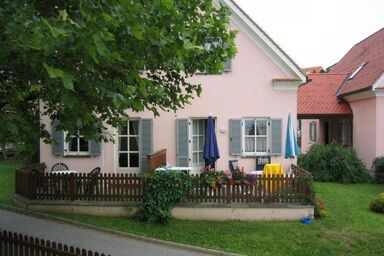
(76, 146)
(128, 145)
(255, 136)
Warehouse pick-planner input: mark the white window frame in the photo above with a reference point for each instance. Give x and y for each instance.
(267, 136)
(197, 136)
(346, 123)
(356, 71)
(67, 152)
(128, 151)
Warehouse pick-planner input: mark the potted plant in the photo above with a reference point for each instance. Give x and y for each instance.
(238, 175)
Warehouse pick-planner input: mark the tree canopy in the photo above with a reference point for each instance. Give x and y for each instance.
(85, 62)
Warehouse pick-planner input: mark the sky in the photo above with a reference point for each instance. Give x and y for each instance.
(316, 33)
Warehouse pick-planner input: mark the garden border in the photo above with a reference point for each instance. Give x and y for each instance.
(185, 211)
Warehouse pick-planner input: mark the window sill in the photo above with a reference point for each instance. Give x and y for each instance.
(255, 155)
(75, 155)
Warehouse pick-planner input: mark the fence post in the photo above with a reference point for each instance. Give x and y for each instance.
(31, 186)
(71, 182)
(228, 194)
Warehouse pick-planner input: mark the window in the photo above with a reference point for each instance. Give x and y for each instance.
(128, 145)
(198, 138)
(346, 132)
(77, 146)
(356, 71)
(312, 131)
(255, 136)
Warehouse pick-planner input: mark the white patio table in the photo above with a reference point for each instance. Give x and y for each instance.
(175, 168)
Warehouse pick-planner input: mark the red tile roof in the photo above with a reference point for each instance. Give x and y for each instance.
(369, 51)
(318, 97)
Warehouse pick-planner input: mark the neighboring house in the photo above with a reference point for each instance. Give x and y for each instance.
(323, 118)
(360, 74)
(250, 102)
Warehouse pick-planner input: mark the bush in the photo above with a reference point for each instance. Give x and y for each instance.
(319, 208)
(378, 168)
(377, 204)
(333, 163)
(162, 190)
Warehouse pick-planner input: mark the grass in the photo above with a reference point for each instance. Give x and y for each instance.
(350, 228)
(7, 181)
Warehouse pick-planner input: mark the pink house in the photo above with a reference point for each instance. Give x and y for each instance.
(347, 103)
(249, 101)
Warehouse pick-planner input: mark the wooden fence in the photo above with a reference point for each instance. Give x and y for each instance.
(290, 188)
(14, 244)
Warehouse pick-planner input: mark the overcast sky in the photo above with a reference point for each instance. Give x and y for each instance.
(316, 32)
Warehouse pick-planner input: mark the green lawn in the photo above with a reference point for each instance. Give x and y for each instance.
(350, 228)
(7, 181)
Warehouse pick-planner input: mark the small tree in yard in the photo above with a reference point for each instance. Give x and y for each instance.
(85, 62)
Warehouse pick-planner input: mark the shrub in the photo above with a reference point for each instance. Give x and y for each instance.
(162, 190)
(378, 168)
(377, 203)
(319, 208)
(333, 163)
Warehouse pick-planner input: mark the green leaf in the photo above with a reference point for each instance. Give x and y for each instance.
(168, 3)
(100, 46)
(53, 72)
(68, 81)
(92, 53)
(63, 14)
(55, 31)
(137, 32)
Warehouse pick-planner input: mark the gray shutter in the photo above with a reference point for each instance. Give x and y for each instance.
(146, 142)
(94, 148)
(58, 140)
(276, 137)
(182, 142)
(235, 137)
(312, 131)
(228, 66)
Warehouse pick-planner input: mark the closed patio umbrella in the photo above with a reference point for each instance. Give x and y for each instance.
(211, 151)
(291, 147)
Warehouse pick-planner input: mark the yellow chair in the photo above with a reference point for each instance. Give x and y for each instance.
(270, 169)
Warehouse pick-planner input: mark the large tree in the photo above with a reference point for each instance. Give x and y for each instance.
(84, 62)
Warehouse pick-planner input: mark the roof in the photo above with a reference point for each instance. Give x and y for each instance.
(369, 51)
(261, 34)
(318, 97)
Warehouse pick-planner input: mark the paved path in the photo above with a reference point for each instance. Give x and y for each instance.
(84, 237)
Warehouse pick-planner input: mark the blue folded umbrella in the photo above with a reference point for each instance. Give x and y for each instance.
(291, 147)
(211, 151)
